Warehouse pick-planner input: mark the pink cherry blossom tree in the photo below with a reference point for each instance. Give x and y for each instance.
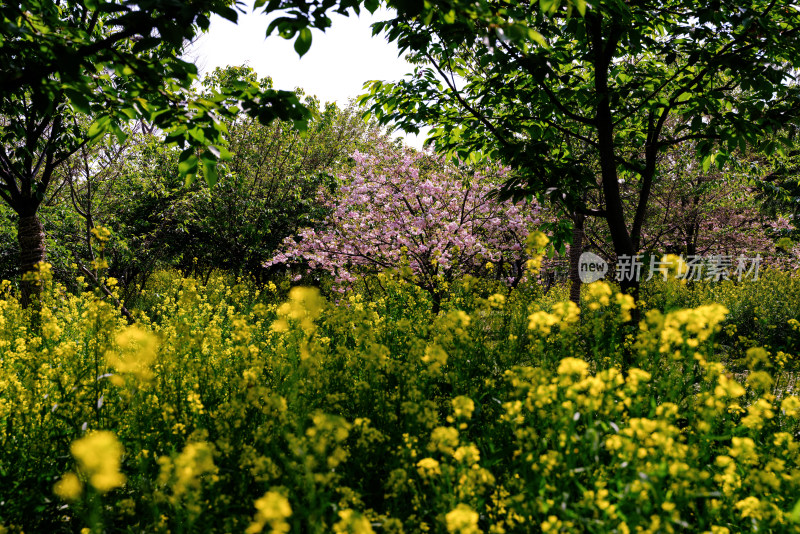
(412, 212)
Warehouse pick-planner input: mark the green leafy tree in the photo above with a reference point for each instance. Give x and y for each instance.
(778, 186)
(269, 189)
(67, 63)
(580, 100)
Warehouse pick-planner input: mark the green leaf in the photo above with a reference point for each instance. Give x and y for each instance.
(78, 101)
(188, 166)
(210, 172)
(548, 6)
(198, 135)
(707, 161)
(130, 113)
(229, 14)
(185, 154)
(580, 5)
(99, 126)
(537, 37)
(786, 245)
(220, 152)
(225, 154)
(284, 25)
(303, 42)
(720, 160)
(118, 132)
(372, 5)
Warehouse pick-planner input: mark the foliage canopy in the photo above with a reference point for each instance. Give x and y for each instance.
(579, 101)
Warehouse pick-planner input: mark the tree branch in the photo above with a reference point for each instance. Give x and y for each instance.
(100, 285)
(457, 95)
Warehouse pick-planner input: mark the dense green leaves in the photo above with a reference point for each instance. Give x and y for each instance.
(265, 187)
(74, 71)
(117, 61)
(579, 97)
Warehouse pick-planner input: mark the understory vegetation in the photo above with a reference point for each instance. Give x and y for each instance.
(235, 407)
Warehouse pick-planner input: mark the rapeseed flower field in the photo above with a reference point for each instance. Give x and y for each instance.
(231, 407)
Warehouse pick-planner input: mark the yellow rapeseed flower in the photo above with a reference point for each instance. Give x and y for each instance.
(99, 457)
(598, 294)
(468, 454)
(137, 350)
(542, 322)
(791, 406)
(434, 355)
(635, 377)
(101, 233)
(573, 366)
(428, 467)
(757, 414)
(750, 507)
(186, 474)
(444, 439)
(626, 304)
(728, 388)
(463, 406)
(462, 520)
(568, 312)
(272, 509)
(534, 246)
(497, 300)
(675, 265)
(537, 241)
(552, 524)
(69, 487)
(744, 450)
(304, 306)
(352, 522)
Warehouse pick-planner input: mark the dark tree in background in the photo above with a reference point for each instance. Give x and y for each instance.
(64, 64)
(578, 97)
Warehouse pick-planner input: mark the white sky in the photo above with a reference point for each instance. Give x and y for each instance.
(334, 69)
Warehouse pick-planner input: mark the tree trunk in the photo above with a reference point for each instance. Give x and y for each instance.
(603, 51)
(436, 300)
(575, 251)
(30, 235)
(602, 48)
(691, 249)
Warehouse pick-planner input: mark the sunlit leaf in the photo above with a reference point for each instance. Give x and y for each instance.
(303, 42)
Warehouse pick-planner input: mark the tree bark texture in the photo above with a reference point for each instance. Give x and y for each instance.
(30, 235)
(575, 251)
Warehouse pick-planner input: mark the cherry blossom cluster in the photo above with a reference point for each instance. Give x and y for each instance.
(402, 209)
